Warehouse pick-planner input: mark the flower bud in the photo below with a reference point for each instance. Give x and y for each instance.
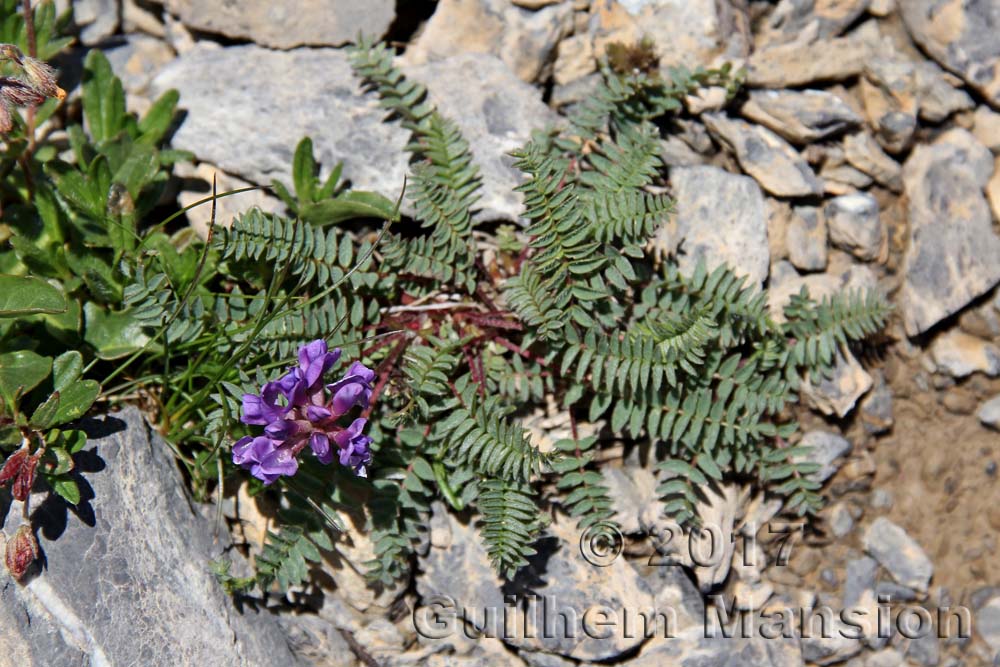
(22, 551)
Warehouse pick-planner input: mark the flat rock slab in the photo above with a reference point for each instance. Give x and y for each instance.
(962, 36)
(801, 116)
(953, 251)
(126, 578)
(767, 157)
(285, 25)
(249, 120)
(899, 554)
(524, 39)
(721, 219)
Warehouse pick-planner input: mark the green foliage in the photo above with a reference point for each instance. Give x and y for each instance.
(444, 180)
(470, 331)
(48, 27)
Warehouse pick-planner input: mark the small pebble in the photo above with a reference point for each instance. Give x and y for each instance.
(881, 499)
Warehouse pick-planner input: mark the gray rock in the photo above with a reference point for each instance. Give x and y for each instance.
(495, 111)
(843, 179)
(801, 116)
(687, 34)
(693, 648)
(672, 588)
(887, 657)
(316, 641)
(951, 258)
(98, 19)
(287, 25)
(881, 499)
(459, 571)
(938, 97)
(839, 392)
(805, 238)
(785, 281)
(524, 39)
(196, 185)
(804, 62)
(258, 98)
(136, 61)
(774, 164)
(889, 90)
(899, 554)
(720, 218)
(791, 18)
(924, 650)
(677, 153)
(631, 488)
(987, 128)
(859, 580)
(127, 578)
(876, 408)
(560, 580)
(138, 16)
(841, 521)
(539, 659)
(854, 225)
(839, 643)
(959, 354)
(961, 36)
(825, 449)
(988, 623)
(575, 585)
(864, 153)
(890, 591)
(989, 412)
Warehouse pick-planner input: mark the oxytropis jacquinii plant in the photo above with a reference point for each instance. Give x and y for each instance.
(457, 328)
(299, 410)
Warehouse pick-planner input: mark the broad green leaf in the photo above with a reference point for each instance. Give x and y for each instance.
(103, 97)
(113, 334)
(75, 400)
(354, 204)
(22, 369)
(66, 488)
(45, 414)
(10, 436)
(24, 295)
(63, 461)
(66, 369)
(304, 171)
(138, 169)
(157, 120)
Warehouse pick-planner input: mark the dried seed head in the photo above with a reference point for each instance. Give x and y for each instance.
(20, 93)
(25, 477)
(42, 77)
(6, 119)
(22, 551)
(10, 52)
(12, 466)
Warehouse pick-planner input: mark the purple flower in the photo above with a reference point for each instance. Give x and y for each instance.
(314, 361)
(263, 409)
(353, 389)
(354, 451)
(307, 417)
(320, 445)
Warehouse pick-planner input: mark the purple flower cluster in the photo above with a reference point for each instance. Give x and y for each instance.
(296, 411)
